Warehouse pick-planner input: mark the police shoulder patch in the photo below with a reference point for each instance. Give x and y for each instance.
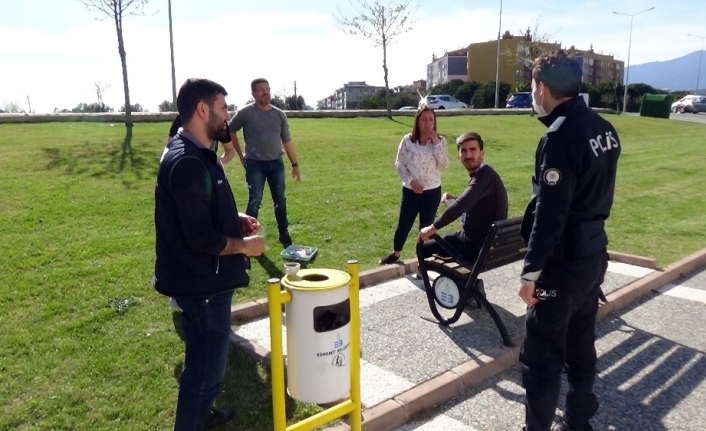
(552, 176)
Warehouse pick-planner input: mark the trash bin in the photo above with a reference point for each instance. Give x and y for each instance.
(656, 105)
(318, 335)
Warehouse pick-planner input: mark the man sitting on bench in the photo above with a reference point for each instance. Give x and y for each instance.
(483, 202)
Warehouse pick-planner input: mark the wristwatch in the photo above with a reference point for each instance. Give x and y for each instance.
(295, 165)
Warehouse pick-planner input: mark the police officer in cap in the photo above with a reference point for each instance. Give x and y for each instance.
(564, 228)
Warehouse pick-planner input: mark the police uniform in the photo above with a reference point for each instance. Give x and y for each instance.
(564, 228)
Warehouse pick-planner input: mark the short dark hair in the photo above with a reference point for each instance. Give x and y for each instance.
(256, 81)
(415, 127)
(470, 136)
(194, 91)
(559, 72)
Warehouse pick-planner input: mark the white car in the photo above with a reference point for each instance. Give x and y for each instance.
(442, 101)
(691, 103)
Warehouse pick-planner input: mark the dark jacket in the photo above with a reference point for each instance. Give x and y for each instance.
(483, 202)
(573, 185)
(194, 213)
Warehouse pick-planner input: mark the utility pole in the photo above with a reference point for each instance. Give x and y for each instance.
(627, 68)
(497, 59)
(30, 105)
(296, 103)
(701, 54)
(171, 49)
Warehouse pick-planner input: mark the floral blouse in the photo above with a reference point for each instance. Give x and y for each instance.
(421, 162)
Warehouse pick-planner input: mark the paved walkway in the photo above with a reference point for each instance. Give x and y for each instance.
(652, 363)
(652, 371)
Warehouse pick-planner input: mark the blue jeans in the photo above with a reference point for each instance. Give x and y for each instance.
(272, 171)
(206, 326)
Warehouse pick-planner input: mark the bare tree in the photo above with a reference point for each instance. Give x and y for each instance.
(532, 44)
(12, 108)
(380, 22)
(100, 88)
(116, 10)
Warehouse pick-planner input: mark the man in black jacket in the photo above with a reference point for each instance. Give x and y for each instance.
(566, 261)
(202, 247)
(483, 202)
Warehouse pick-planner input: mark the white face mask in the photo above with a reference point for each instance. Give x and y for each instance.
(537, 106)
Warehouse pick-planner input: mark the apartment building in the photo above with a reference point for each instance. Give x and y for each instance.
(598, 67)
(452, 65)
(349, 96)
(518, 52)
(419, 86)
(515, 58)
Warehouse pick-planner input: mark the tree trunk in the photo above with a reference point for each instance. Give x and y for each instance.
(384, 68)
(617, 102)
(123, 62)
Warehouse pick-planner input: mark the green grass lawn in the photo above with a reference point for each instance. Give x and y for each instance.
(89, 345)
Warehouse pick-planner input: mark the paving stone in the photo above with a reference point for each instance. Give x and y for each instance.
(402, 346)
(651, 374)
(695, 280)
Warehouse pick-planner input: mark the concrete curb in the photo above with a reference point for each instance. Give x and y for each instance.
(397, 411)
(631, 259)
(622, 298)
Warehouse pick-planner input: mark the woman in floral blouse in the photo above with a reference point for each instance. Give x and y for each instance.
(421, 156)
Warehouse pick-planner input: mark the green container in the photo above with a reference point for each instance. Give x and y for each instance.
(656, 105)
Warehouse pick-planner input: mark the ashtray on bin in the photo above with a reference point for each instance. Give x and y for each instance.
(300, 253)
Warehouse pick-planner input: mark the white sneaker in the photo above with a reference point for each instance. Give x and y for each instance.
(174, 305)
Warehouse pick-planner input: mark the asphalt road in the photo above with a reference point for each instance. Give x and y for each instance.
(694, 118)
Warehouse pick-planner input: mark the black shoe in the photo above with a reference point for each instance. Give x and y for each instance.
(390, 258)
(219, 417)
(285, 239)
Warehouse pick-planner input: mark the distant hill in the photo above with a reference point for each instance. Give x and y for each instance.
(673, 75)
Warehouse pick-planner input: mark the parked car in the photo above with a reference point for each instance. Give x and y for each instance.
(691, 103)
(407, 108)
(442, 101)
(519, 100)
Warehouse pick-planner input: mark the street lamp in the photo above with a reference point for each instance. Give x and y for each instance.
(627, 68)
(171, 48)
(497, 61)
(700, 56)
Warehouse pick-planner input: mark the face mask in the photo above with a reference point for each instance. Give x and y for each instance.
(537, 106)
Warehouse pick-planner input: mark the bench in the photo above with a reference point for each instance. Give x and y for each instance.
(458, 281)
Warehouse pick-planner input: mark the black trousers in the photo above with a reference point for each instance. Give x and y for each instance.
(457, 240)
(560, 334)
(425, 204)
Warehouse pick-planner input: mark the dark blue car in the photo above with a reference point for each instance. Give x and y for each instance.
(520, 100)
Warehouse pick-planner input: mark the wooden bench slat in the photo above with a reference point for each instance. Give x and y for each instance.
(450, 266)
(462, 272)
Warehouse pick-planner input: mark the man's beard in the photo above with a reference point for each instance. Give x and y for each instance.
(216, 128)
(225, 133)
(470, 166)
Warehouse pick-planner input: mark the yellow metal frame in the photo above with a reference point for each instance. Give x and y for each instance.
(353, 407)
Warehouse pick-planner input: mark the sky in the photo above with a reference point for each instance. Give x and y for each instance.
(54, 52)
